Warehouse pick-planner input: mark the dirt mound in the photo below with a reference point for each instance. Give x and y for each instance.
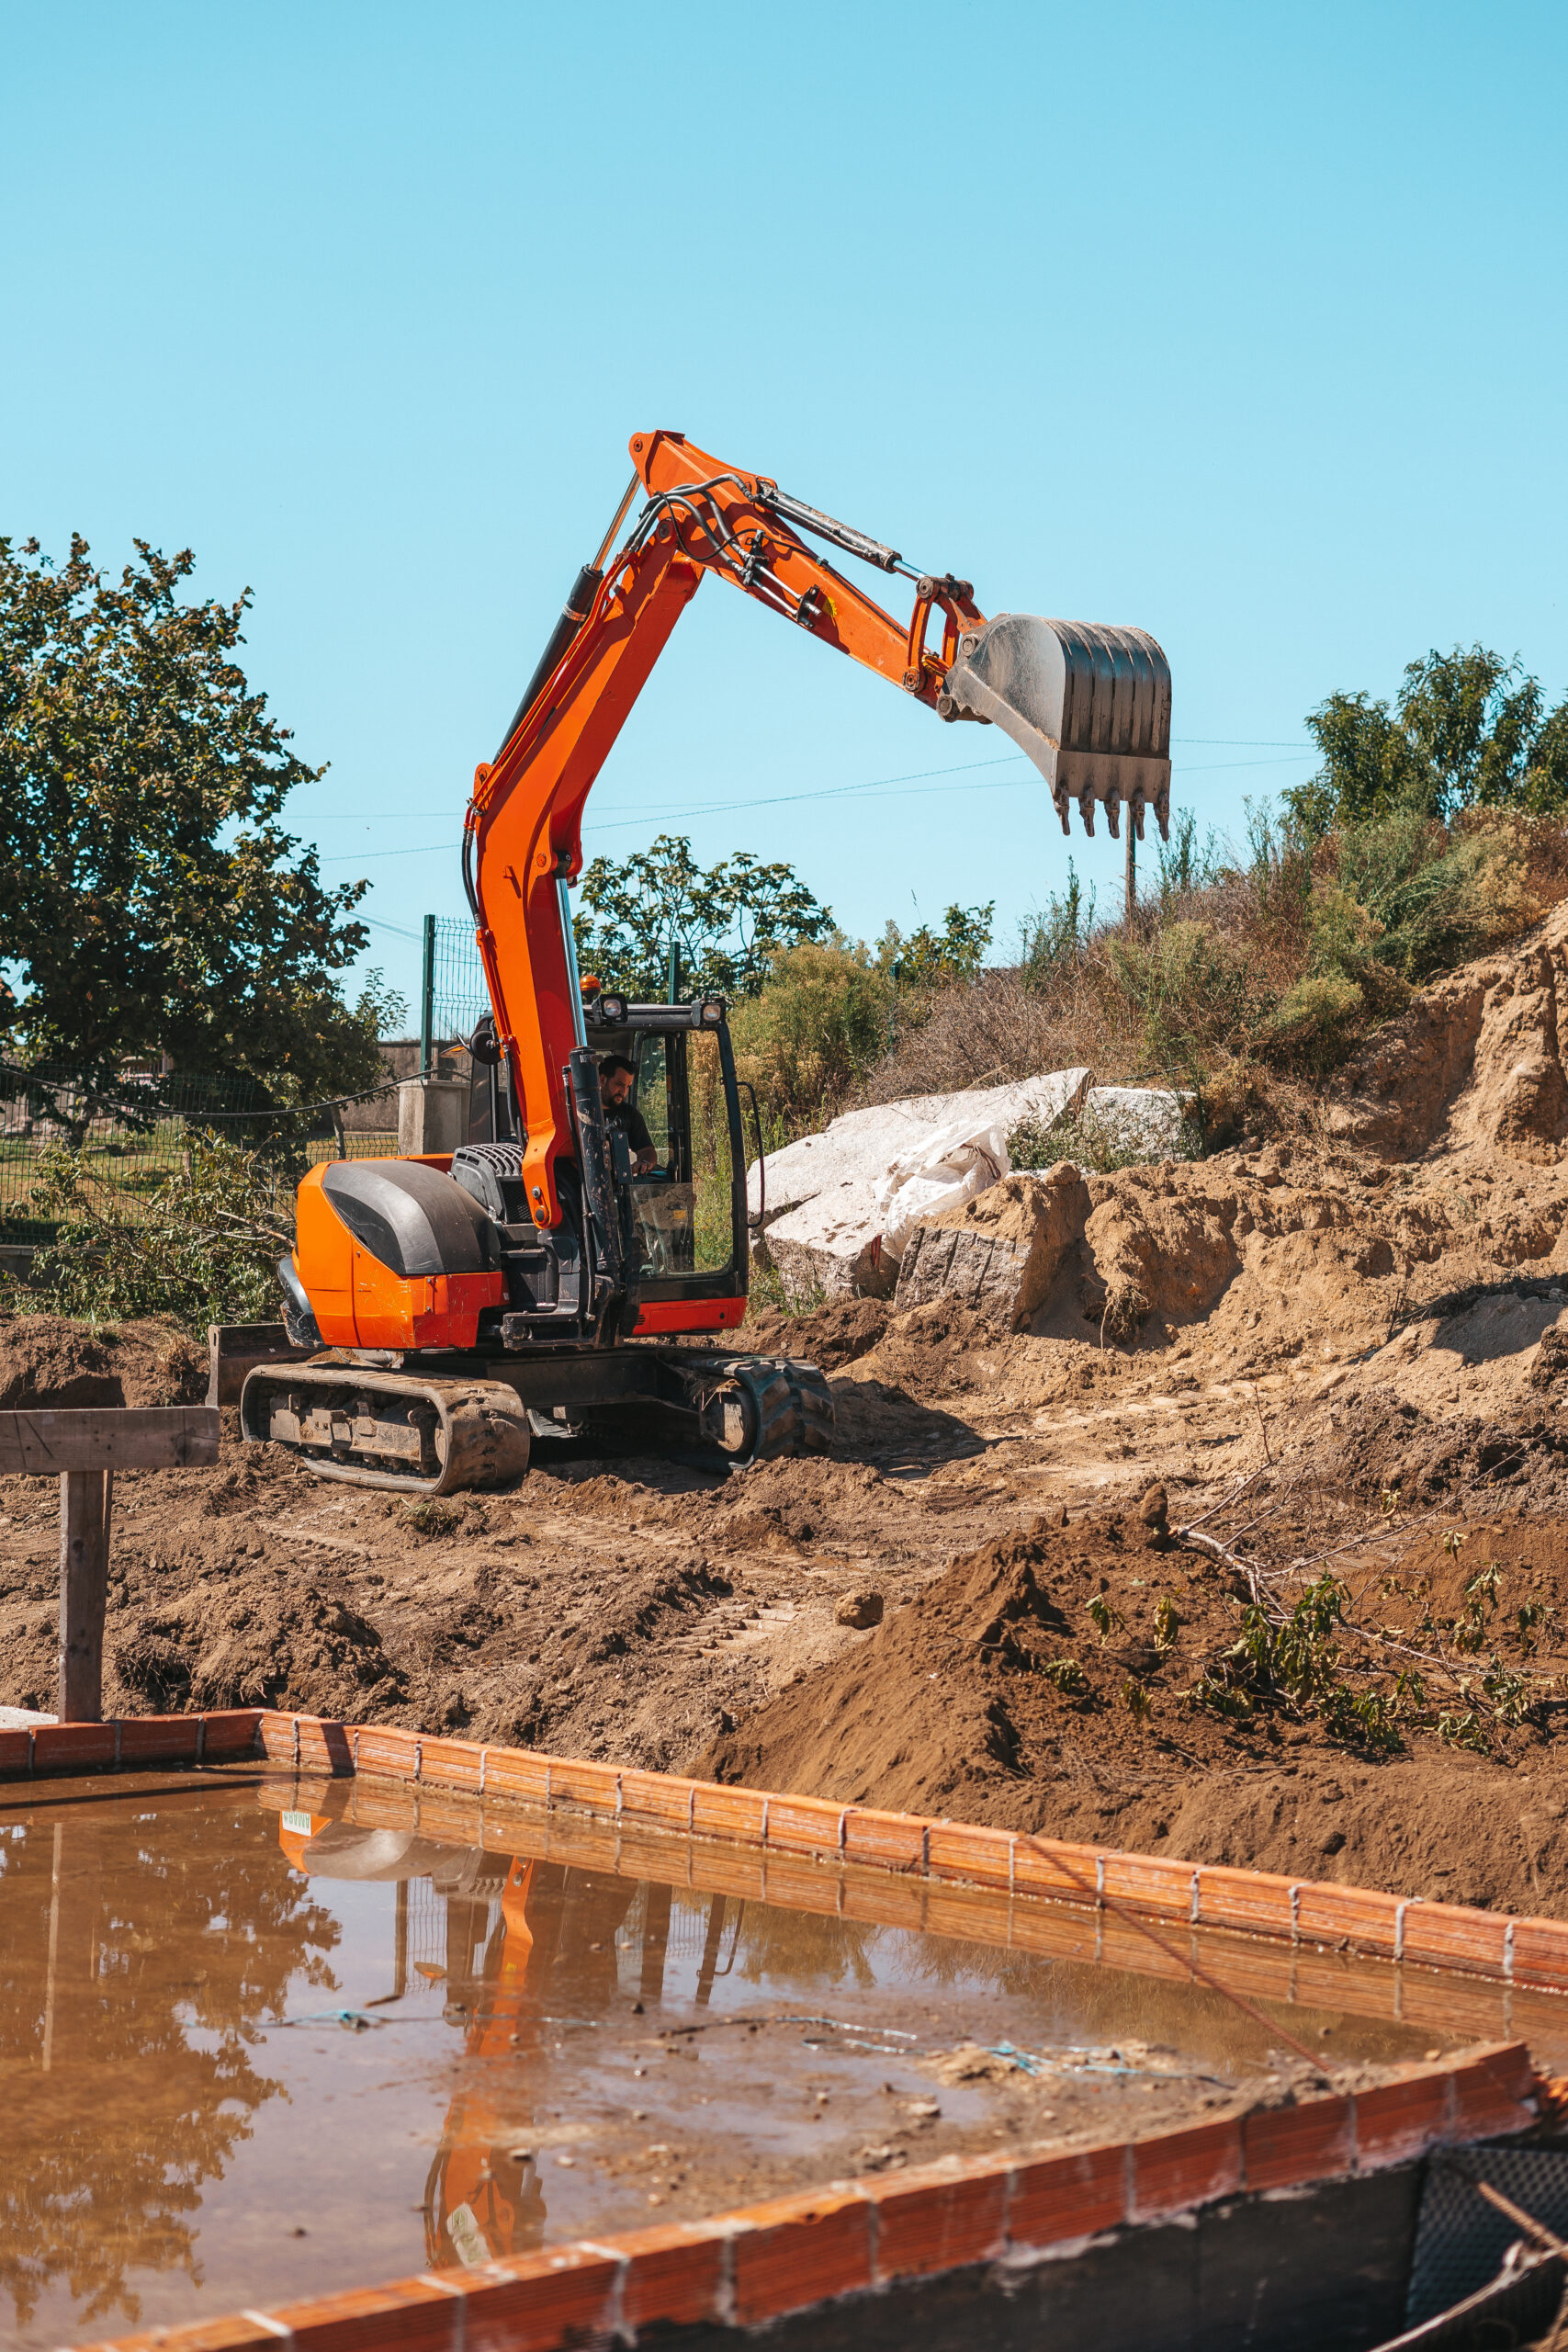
(1043, 1683)
(261, 1641)
(1389, 1447)
(830, 1336)
(45, 1360)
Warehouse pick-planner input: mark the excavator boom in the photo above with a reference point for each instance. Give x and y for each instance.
(1090, 705)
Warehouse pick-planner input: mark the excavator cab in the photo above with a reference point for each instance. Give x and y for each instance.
(683, 1221)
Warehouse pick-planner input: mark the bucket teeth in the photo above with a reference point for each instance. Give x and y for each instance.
(1091, 706)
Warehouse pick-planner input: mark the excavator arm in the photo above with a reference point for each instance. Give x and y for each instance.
(1091, 707)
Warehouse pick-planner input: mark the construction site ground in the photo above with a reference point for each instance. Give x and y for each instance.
(1346, 1358)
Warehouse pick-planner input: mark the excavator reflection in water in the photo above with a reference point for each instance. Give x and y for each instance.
(527, 1945)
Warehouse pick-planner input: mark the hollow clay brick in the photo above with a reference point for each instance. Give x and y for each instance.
(1073, 2196)
(795, 2251)
(1284, 2146)
(1174, 2170)
(936, 2221)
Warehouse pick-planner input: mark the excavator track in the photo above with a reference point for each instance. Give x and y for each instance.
(376, 1428)
(792, 1403)
(427, 1434)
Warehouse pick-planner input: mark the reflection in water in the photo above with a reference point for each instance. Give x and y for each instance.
(497, 2075)
(552, 1950)
(521, 1943)
(138, 1959)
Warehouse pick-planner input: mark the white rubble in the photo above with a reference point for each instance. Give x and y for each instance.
(953, 1163)
(1143, 1118)
(831, 1198)
(838, 1208)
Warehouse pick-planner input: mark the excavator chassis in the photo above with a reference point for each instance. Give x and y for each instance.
(469, 1422)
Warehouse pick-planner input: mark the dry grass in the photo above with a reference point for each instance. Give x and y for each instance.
(1249, 988)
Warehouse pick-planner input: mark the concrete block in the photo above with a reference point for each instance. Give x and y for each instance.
(999, 1253)
(433, 1115)
(1144, 1118)
(829, 1244)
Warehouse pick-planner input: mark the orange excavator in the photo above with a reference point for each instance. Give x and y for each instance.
(449, 1310)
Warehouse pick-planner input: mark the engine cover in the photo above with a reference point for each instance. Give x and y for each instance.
(392, 1253)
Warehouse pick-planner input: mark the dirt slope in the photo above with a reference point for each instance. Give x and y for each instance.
(953, 1707)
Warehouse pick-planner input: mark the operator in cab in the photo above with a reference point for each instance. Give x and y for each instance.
(615, 1077)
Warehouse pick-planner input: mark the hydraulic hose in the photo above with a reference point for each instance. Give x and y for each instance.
(574, 612)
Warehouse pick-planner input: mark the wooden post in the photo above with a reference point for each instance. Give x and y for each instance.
(83, 1450)
(85, 1497)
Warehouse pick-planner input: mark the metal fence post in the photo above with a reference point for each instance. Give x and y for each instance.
(427, 995)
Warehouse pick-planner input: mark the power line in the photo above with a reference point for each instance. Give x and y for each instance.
(874, 789)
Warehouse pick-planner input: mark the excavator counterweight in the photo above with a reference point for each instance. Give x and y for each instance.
(449, 1311)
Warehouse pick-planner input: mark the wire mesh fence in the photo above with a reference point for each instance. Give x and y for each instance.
(130, 1131)
(453, 992)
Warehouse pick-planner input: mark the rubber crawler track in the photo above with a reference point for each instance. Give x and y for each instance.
(795, 1406)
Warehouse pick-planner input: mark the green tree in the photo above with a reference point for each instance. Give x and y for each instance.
(728, 920)
(933, 959)
(1468, 731)
(148, 891)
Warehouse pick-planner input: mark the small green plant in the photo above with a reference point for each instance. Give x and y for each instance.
(1296, 1657)
(1105, 1620)
(1471, 1626)
(1409, 1693)
(1167, 1622)
(1390, 1499)
(1465, 1730)
(1454, 1542)
(1135, 1699)
(1067, 1674)
(1508, 1692)
(1216, 1694)
(1526, 1620)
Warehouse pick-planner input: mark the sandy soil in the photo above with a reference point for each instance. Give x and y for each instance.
(1342, 1348)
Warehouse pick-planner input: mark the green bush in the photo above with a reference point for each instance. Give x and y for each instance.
(818, 1026)
(1190, 987)
(1436, 898)
(202, 1248)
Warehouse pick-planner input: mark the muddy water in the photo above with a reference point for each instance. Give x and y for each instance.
(251, 2051)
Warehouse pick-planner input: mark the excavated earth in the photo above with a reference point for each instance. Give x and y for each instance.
(1343, 1348)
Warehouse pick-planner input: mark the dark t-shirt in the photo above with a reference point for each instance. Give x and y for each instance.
(633, 1125)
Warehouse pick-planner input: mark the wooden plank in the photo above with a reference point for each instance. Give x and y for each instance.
(85, 1498)
(109, 1437)
(235, 1349)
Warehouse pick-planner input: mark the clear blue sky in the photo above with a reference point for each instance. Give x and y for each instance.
(1245, 326)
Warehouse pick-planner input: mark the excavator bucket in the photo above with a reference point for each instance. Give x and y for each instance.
(1090, 705)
